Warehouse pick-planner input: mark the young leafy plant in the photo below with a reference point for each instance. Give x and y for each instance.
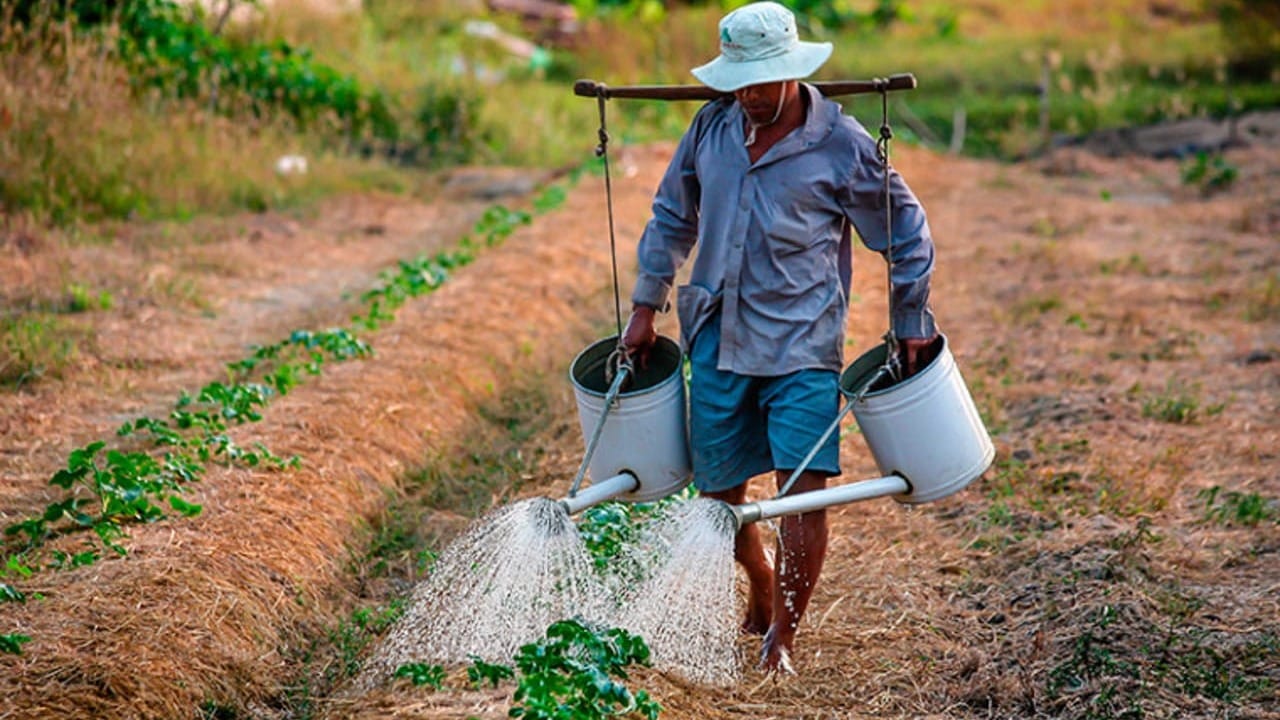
(609, 527)
(480, 672)
(422, 674)
(573, 673)
(9, 593)
(11, 643)
(1237, 508)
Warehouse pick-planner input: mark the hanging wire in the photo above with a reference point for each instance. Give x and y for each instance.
(617, 368)
(602, 152)
(882, 151)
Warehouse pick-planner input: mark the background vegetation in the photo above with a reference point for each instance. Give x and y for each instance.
(155, 109)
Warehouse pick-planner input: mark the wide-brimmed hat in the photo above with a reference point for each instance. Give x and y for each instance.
(759, 44)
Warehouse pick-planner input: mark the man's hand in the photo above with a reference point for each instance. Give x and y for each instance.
(640, 335)
(915, 354)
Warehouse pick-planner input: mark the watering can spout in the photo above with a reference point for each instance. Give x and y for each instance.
(618, 485)
(818, 499)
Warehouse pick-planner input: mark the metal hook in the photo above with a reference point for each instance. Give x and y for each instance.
(619, 360)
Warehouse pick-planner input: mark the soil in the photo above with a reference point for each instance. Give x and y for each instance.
(1119, 330)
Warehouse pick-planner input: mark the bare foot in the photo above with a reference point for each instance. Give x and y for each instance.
(755, 623)
(775, 654)
(777, 661)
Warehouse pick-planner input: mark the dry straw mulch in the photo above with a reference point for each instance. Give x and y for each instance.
(1083, 576)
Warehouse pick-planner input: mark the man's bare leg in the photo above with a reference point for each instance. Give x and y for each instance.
(748, 550)
(802, 547)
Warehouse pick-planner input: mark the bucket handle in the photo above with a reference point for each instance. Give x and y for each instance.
(886, 369)
(620, 376)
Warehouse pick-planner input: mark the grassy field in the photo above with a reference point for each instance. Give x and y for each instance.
(82, 145)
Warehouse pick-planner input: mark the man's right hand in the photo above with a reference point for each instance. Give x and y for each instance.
(640, 335)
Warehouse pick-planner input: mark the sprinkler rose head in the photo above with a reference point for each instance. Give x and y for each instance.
(731, 518)
(551, 517)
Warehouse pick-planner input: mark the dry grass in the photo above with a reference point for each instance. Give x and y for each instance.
(212, 610)
(78, 145)
(1082, 577)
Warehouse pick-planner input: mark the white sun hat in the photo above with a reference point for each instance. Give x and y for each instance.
(759, 44)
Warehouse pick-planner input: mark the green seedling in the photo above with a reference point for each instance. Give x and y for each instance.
(573, 673)
(480, 672)
(9, 593)
(1237, 508)
(422, 674)
(1209, 172)
(12, 643)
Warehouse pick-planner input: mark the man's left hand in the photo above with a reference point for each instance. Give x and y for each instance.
(915, 354)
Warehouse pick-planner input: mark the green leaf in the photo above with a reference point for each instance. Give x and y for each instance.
(187, 509)
(66, 478)
(480, 672)
(422, 674)
(34, 528)
(9, 593)
(14, 565)
(83, 457)
(12, 643)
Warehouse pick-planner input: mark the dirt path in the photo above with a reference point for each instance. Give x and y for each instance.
(1089, 302)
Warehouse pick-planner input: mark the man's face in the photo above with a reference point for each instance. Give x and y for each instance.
(760, 102)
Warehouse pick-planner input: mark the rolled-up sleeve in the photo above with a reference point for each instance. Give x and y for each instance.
(671, 233)
(862, 199)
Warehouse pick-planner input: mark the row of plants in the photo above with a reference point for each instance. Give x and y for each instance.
(573, 673)
(106, 489)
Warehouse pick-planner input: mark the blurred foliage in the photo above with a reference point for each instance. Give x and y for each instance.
(810, 14)
(447, 125)
(1253, 26)
(174, 50)
(413, 83)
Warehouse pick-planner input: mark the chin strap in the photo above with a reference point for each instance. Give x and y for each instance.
(751, 136)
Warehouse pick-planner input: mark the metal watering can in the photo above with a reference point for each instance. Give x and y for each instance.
(924, 432)
(638, 449)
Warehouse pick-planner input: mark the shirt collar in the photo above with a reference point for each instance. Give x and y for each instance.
(820, 119)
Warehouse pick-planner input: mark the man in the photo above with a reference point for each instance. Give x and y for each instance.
(767, 183)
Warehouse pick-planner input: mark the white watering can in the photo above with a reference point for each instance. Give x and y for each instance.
(924, 432)
(638, 449)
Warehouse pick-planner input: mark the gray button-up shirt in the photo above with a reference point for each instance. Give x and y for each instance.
(774, 251)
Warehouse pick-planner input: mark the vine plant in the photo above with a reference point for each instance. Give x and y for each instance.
(107, 489)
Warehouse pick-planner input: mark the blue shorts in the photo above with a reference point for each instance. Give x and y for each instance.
(741, 425)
